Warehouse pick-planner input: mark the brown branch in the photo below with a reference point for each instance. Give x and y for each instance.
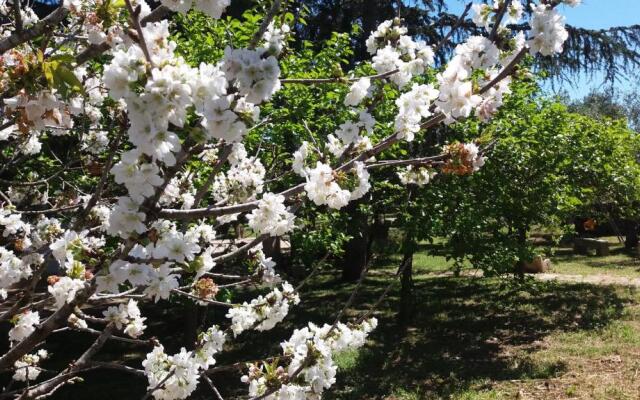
(26, 297)
(91, 52)
(82, 215)
(194, 297)
(414, 161)
(498, 21)
(275, 7)
(315, 81)
(506, 71)
(212, 386)
(115, 338)
(42, 331)
(49, 210)
(43, 26)
(135, 20)
(117, 367)
(156, 15)
(17, 15)
(355, 291)
(454, 28)
(202, 191)
(58, 381)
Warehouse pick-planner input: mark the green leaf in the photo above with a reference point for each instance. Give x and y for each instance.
(60, 77)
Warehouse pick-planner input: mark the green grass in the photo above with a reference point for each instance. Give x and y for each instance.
(470, 338)
(618, 263)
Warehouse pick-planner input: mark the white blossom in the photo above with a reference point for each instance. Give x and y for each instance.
(357, 92)
(65, 290)
(263, 312)
(547, 30)
(24, 326)
(271, 216)
(127, 316)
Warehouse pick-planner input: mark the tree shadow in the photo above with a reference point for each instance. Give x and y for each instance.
(461, 330)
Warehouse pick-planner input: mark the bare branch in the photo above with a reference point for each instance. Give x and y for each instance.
(275, 7)
(40, 27)
(135, 20)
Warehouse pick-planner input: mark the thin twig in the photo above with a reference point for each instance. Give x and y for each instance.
(17, 15)
(212, 386)
(222, 158)
(135, 20)
(275, 7)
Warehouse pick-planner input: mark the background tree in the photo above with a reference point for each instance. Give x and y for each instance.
(614, 51)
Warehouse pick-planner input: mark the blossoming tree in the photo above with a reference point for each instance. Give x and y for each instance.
(130, 221)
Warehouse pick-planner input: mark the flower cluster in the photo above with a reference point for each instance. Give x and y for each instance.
(24, 326)
(484, 15)
(242, 182)
(256, 75)
(299, 158)
(271, 217)
(12, 270)
(263, 312)
(397, 54)
(127, 316)
(464, 159)
(323, 186)
(64, 289)
(140, 178)
(349, 135)
(176, 377)
(413, 106)
(493, 99)
(419, 176)
(126, 218)
(72, 245)
(311, 369)
(358, 91)
(264, 270)
(12, 223)
(27, 367)
(547, 30)
(275, 38)
(213, 8)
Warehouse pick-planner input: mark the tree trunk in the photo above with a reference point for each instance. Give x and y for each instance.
(407, 301)
(356, 254)
(522, 241)
(190, 333)
(631, 235)
(271, 248)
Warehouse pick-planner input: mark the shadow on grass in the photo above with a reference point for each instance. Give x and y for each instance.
(464, 332)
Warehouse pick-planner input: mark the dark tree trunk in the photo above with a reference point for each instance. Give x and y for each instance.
(272, 248)
(356, 254)
(407, 301)
(190, 333)
(631, 235)
(522, 241)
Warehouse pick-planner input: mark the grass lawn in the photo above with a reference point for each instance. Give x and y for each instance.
(480, 339)
(471, 338)
(618, 263)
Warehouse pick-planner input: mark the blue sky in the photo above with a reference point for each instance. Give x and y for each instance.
(592, 14)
